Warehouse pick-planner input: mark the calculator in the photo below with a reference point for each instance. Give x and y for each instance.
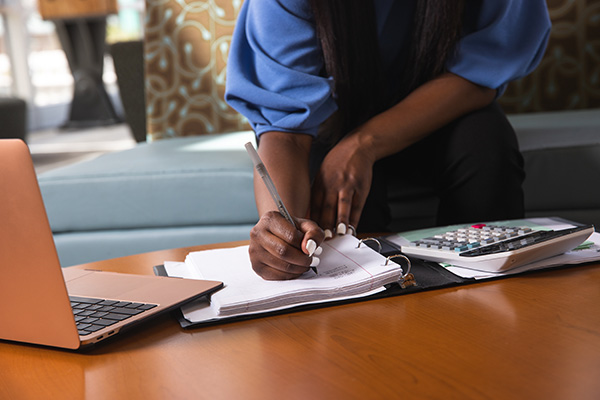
(496, 248)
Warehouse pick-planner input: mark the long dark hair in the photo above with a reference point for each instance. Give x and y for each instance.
(348, 35)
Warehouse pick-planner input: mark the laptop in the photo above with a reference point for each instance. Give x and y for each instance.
(44, 304)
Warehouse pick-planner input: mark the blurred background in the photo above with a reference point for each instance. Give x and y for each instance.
(34, 67)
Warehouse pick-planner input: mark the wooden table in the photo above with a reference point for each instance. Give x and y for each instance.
(530, 337)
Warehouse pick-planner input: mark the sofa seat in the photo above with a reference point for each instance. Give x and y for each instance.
(562, 162)
(169, 193)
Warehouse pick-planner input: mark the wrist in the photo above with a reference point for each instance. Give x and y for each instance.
(285, 156)
(366, 141)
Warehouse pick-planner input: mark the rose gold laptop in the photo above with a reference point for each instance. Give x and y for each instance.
(42, 303)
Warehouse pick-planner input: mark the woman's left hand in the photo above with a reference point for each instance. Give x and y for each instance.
(341, 186)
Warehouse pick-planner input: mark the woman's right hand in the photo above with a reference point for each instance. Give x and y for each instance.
(279, 251)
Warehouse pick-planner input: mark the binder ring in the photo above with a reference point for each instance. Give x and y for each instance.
(408, 263)
(406, 279)
(370, 239)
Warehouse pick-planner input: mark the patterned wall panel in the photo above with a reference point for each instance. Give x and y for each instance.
(187, 42)
(569, 74)
(186, 46)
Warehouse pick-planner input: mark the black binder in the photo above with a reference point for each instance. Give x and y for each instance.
(427, 275)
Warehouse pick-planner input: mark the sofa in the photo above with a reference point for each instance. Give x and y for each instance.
(190, 182)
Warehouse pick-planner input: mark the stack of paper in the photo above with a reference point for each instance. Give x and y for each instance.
(345, 271)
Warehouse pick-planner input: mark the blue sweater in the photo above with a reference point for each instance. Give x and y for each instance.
(274, 65)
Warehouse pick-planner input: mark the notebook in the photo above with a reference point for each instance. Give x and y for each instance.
(35, 306)
(350, 268)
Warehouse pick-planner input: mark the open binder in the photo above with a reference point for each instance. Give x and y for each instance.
(409, 276)
(349, 269)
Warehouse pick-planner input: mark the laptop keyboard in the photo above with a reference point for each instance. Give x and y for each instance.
(92, 314)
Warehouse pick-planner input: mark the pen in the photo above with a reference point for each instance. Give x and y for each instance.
(264, 174)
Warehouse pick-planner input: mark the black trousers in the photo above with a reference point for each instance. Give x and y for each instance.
(473, 165)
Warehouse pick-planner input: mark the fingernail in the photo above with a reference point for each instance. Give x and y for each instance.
(315, 261)
(328, 234)
(352, 230)
(311, 246)
(341, 229)
(318, 251)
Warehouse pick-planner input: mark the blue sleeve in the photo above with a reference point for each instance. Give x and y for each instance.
(505, 40)
(273, 68)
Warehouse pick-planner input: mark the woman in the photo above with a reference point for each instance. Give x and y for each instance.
(343, 94)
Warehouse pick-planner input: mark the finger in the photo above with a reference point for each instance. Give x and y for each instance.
(278, 226)
(285, 241)
(275, 248)
(316, 205)
(328, 215)
(323, 204)
(344, 208)
(313, 236)
(358, 205)
(273, 258)
(272, 268)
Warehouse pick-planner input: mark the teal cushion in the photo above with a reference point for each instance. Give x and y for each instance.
(83, 247)
(189, 181)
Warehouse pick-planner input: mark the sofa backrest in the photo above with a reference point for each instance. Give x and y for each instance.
(568, 77)
(185, 51)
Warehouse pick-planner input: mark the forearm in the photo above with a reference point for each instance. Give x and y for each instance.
(428, 108)
(285, 156)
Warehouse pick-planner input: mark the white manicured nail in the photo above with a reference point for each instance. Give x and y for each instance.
(328, 234)
(311, 246)
(352, 230)
(315, 261)
(341, 229)
(318, 251)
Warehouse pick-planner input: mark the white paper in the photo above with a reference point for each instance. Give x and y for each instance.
(345, 271)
